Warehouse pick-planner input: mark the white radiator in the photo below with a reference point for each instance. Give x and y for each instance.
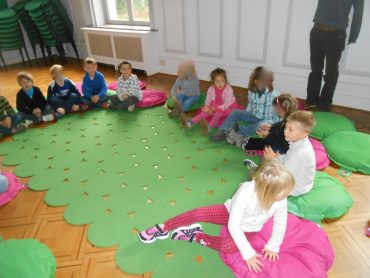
(112, 46)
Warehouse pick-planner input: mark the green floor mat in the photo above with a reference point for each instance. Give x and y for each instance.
(26, 258)
(195, 106)
(123, 172)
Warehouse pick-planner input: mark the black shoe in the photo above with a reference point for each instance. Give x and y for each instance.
(323, 107)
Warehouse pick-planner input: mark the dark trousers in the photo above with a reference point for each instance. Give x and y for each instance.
(326, 47)
(16, 120)
(66, 103)
(118, 104)
(31, 117)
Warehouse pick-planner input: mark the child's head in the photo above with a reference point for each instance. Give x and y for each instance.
(284, 105)
(273, 182)
(258, 79)
(299, 125)
(125, 68)
(186, 70)
(90, 66)
(56, 72)
(25, 80)
(219, 78)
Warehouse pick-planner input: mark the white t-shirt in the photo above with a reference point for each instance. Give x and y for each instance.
(301, 162)
(247, 216)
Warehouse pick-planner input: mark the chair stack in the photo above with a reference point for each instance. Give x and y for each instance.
(11, 36)
(29, 26)
(52, 22)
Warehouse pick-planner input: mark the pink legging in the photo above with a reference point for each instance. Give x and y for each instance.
(214, 118)
(216, 214)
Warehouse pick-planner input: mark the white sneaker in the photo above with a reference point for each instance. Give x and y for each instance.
(131, 108)
(48, 118)
(28, 122)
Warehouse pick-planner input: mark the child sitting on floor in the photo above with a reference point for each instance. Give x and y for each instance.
(94, 87)
(4, 183)
(63, 95)
(185, 92)
(31, 103)
(251, 206)
(219, 103)
(259, 110)
(129, 92)
(273, 135)
(300, 157)
(10, 122)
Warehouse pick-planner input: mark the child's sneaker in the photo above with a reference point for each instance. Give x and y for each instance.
(185, 122)
(152, 234)
(131, 108)
(220, 135)
(28, 123)
(204, 126)
(173, 113)
(19, 128)
(104, 105)
(187, 233)
(84, 107)
(177, 106)
(249, 163)
(48, 118)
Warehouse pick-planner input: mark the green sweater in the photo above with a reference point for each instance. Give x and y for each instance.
(336, 13)
(5, 108)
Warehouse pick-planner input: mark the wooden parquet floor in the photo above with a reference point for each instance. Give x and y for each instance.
(29, 217)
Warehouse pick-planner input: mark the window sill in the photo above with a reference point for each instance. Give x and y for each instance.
(133, 28)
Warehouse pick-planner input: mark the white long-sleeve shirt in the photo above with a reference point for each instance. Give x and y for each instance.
(301, 162)
(246, 215)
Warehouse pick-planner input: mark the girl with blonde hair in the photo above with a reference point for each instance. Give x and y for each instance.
(253, 204)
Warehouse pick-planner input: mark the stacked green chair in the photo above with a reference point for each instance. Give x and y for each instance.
(11, 36)
(3, 4)
(53, 23)
(29, 26)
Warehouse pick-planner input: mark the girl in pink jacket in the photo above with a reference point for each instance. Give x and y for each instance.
(219, 103)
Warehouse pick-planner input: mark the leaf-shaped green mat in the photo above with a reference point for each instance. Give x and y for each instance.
(123, 172)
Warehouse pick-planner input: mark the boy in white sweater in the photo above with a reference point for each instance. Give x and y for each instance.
(300, 158)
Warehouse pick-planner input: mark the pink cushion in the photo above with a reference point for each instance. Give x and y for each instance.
(305, 252)
(322, 160)
(14, 187)
(301, 103)
(79, 87)
(114, 85)
(152, 98)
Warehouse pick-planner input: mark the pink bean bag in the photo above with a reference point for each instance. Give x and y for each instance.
(14, 187)
(152, 98)
(305, 252)
(114, 85)
(322, 160)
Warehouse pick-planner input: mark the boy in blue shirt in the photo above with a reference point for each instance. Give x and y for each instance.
(94, 87)
(63, 95)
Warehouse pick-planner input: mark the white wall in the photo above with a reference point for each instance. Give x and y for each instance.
(241, 34)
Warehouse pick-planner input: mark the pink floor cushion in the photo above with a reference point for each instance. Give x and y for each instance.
(301, 105)
(14, 187)
(114, 85)
(152, 98)
(305, 252)
(79, 87)
(322, 160)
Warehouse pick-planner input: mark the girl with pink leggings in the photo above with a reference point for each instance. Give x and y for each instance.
(251, 206)
(219, 103)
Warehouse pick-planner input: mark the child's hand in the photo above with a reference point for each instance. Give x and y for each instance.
(213, 109)
(36, 112)
(75, 108)
(124, 96)
(272, 256)
(269, 154)
(206, 109)
(266, 127)
(178, 90)
(95, 99)
(7, 122)
(254, 264)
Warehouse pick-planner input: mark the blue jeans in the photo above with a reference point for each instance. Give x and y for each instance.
(16, 120)
(88, 102)
(65, 103)
(244, 116)
(186, 101)
(4, 183)
(31, 117)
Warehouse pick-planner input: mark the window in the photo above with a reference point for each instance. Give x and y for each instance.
(130, 12)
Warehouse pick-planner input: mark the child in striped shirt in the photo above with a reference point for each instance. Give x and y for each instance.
(252, 205)
(10, 121)
(129, 92)
(259, 111)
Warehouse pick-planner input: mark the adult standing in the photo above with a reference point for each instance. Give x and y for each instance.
(327, 42)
